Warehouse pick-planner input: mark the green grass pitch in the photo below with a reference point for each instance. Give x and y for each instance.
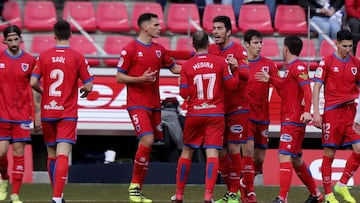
(111, 193)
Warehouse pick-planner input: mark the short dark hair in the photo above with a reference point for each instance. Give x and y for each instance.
(344, 35)
(11, 28)
(145, 17)
(250, 34)
(62, 30)
(294, 44)
(200, 40)
(223, 19)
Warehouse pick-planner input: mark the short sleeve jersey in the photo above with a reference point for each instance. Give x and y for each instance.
(60, 68)
(292, 97)
(234, 100)
(258, 92)
(340, 79)
(15, 90)
(136, 58)
(204, 75)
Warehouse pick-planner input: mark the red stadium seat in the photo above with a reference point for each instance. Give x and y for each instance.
(183, 43)
(82, 12)
(147, 7)
(213, 10)
(11, 15)
(113, 45)
(164, 41)
(255, 16)
(112, 16)
(326, 49)
(84, 46)
(290, 20)
(39, 15)
(179, 15)
(271, 49)
(309, 50)
(40, 43)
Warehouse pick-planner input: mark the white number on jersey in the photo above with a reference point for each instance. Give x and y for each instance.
(59, 76)
(198, 81)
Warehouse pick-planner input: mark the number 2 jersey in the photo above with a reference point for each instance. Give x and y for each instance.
(60, 68)
(15, 90)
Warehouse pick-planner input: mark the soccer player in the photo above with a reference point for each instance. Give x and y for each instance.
(258, 98)
(295, 93)
(340, 75)
(139, 68)
(202, 80)
(15, 109)
(236, 117)
(60, 68)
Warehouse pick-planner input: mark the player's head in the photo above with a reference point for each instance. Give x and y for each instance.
(62, 30)
(149, 23)
(12, 38)
(344, 43)
(221, 29)
(200, 40)
(253, 43)
(292, 45)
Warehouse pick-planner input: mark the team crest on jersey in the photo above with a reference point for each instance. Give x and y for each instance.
(24, 67)
(158, 53)
(354, 70)
(2, 65)
(265, 69)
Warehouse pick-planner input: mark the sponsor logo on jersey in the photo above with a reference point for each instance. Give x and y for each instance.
(300, 67)
(318, 72)
(303, 76)
(336, 69)
(24, 67)
(2, 65)
(236, 129)
(158, 53)
(354, 70)
(123, 53)
(265, 133)
(121, 62)
(285, 138)
(140, 54)
(205, 106)
(321, 63)
(25, 126)
(53, 106)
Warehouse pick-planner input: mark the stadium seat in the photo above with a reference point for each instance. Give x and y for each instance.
(164, 41)
(40, 43)
(309, 50)
(82, 12)
(326, 49)
(179, 15)
(213, 10)
(11, 15)
(255, 16)
(183, 43)
(271, 50)
(112, 16)
(84, 46)
(290, 20)
(113, 46)
(147, 7)
(39, 15)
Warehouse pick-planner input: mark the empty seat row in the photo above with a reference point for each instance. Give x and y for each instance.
(113, 16)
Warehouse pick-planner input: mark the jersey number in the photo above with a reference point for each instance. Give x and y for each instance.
(198, 81)
(58, 75)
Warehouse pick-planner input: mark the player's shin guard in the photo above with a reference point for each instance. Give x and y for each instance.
(304, 174)
(212, 167)
(141, 164)
(326, 171)
(182, 174)
(17, 173)
(235, 171)
(51, 168)
(248, 173)
(286, 171)
(352, 165)
(60, 175)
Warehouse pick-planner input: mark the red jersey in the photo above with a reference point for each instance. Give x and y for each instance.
(235, 100)
(340, 78)
(295, 92)
(15, 91)
(258, 92)
(60, 68)
(203, 80)
(136, 58)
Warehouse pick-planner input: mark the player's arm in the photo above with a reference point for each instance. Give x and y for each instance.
(34, 83)
(231, 82)
(147, 76)
(184, 86)
(37, 107)
(175, 69)
(86, 89)
(306, 116)
(180, 54)
(317, 120)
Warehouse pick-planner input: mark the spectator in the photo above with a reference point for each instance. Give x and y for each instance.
(325, 14)
(352, 8)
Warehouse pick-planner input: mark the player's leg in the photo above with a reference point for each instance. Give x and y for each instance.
(261, 139)
(182, 172)
(326, 171)
(5, 137)
(212, 166)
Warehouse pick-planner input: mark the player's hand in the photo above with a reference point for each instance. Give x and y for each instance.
(356, 128)
(83, 92)
(317, 120)
(233, 63)
(37, 123)
(149, 76)
(305, 117)
(262, 77)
